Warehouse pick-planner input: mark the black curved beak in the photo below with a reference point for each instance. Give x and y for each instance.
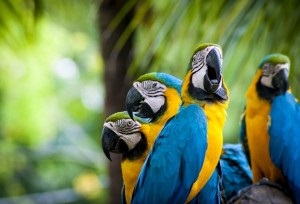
(133, 101)
(111, 143)
(280, 80)
(212, 78)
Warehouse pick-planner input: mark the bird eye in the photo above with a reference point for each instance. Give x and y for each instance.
(154, 85)
(130, 123)
(268, 69)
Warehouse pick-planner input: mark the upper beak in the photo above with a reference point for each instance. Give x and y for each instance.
(280, 80)
(213, 77)
(111, 143)
(133, 100)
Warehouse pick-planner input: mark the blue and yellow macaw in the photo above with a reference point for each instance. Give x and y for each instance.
(157, 96)
(183, 141)
(272, 140)
(204, 85)
(235, 169)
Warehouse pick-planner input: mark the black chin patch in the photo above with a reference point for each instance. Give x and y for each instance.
(269, 93)
(201, 95)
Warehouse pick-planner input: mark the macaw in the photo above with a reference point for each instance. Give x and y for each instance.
(204, 85)
(271, 118)
(183, 141)
(158, 96)
(235, 169)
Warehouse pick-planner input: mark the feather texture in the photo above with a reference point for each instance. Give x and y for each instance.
(235, 168)
(175, 159)
(285, 139)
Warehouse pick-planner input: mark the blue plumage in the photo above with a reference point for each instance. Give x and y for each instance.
(175, 159)
(235, 168)
(211, 191)
(285, 139)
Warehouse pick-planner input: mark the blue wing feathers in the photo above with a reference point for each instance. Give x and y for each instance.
(285, 139)
(175, 160)
(235, 168)
(210, 193)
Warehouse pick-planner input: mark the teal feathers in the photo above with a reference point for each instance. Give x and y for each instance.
(235, 168)
(285, 139)
(175, 159)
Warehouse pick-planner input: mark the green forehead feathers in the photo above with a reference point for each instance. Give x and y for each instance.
(203, 46)
(120, 115)
(275, 59)
(199, 48)
(117, 116)
(164, 78)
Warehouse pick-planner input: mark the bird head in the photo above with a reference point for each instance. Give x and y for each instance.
(274, 71)
(147, 97)
(203, 80)
(121, 134)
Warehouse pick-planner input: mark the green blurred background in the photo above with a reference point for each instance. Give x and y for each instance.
(54, 80)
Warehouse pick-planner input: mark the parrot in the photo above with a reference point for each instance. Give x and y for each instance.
(183, 142)
(159, 97)
(271, 118)
(235, 169)
(205, 86)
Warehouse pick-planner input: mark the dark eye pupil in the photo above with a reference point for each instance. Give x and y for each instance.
(154, 85)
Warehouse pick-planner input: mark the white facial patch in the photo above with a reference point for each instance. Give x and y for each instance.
(269, 71)
(153, 93)
(128, 131)
(199, 67)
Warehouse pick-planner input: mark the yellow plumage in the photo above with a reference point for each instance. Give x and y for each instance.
(257, 119)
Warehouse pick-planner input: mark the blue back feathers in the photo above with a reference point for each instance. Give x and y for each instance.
(285, 139)
(175, 160)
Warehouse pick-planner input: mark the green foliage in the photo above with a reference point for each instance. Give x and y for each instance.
(50, 103)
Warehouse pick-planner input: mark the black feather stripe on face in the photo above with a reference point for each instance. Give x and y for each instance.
(268, 93)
